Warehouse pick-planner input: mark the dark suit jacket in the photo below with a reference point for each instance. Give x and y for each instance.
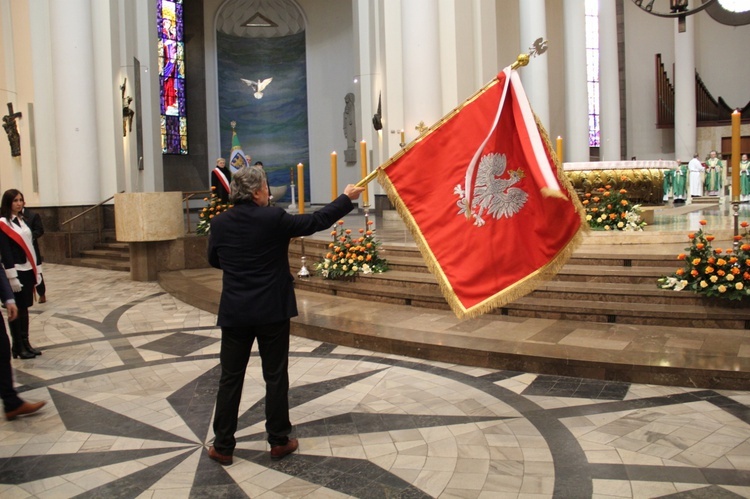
(6, 293)
(251, 245)
(11, 253)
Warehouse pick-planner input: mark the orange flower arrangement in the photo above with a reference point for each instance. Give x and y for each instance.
(351, 256)
(709, 272)
(213, 207)
(607, 209)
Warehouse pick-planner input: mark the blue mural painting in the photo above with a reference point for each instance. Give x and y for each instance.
(272, 128)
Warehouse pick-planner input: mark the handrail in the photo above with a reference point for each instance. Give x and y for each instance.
(98, 223)
(89, 209)
(187, 196)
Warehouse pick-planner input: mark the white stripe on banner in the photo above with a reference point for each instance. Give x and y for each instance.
(550, 179)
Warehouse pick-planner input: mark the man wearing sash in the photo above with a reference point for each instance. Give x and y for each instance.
(220, 180)
(714, 172)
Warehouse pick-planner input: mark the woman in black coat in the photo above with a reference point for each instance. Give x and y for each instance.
(23, 268)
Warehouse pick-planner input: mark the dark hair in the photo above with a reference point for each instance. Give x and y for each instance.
(6, 205)
(258, 163)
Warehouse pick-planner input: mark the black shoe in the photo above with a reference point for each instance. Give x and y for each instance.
(31, 349)
(23, 353)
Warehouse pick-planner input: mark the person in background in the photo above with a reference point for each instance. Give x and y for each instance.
(744, 178)
(23, 268)
(679, 184)
(695, 167)
(13, 405)
(221, 178)
(250, 244)
(34, 221)
(714, 174)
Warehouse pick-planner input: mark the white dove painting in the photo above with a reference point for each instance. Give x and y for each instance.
(258, 86)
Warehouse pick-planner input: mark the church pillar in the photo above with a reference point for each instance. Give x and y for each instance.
(684, 89)
(609, 83)
(576, 138)
(533, 21)
(74, 105)
(421, 63)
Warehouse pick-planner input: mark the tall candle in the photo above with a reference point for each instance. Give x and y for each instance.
(363, 161)
(403, 139)
(301, 187)
(736, 119)
(334, 176)
(559, 149)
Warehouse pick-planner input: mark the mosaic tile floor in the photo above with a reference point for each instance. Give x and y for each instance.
(130, 375)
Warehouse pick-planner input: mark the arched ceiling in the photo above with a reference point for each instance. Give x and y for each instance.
(260, 18)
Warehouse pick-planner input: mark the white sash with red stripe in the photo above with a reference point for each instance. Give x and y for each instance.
(10, 231)
(222, 178)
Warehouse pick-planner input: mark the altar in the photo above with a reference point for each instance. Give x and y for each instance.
(642, 179)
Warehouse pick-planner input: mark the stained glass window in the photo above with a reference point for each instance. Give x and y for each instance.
(172, 77)
(592, 69)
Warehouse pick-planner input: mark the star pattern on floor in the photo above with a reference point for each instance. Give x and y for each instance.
(131, 382)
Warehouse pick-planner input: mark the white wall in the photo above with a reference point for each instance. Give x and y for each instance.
(645, 36)
(721, 60)
(330, 76)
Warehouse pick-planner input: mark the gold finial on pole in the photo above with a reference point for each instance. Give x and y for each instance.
(539, 47)
(521, 60)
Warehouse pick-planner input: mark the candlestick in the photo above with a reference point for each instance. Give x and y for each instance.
(560, 149)
(736, 119)
(334, 176)
(301, 187)
(363, 162)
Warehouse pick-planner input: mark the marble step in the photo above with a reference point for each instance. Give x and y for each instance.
(570, 300)
(100, 263)
(106, 254)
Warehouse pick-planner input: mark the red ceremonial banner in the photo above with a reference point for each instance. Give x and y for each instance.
(524, 218)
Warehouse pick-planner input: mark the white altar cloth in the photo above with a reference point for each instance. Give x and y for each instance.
(656, 164)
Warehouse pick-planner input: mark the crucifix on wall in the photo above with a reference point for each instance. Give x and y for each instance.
(127, 113)
(9, 123)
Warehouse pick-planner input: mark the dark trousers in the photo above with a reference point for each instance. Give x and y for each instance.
(273, 345)
(11, 401)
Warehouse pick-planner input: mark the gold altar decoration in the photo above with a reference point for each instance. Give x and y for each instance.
(644, 185)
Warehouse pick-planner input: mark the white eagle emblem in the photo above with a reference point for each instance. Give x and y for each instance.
(494, 194)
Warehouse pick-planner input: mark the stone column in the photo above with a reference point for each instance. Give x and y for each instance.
(576, 138)
(685, 114)
(535, 76)
(421, 63)
(74, 103)
(609, 83)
